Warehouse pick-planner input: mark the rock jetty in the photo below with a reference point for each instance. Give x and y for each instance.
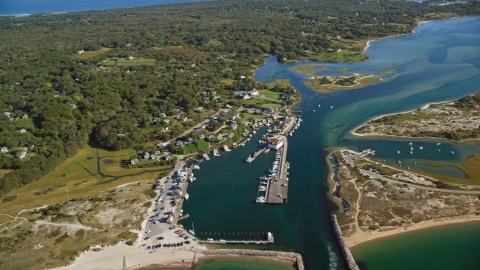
(352, 264)
(287, 256)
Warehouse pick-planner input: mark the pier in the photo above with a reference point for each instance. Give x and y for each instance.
(246, 242)
(276, 192)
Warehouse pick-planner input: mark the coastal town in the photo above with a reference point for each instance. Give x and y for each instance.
(269, 134)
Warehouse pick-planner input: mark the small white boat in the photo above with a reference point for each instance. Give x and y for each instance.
(410, 143)
(439, 143)
(196, 167)
(319, 105)
(262, 188)
(249, 159)
(452, 152)
(191, 232)
(331, 107)
(269, 236)
(421, 147)
(313, 110)
(398, 152)
(260, 199)
(399, 162)
(411, 152)
(186, 197)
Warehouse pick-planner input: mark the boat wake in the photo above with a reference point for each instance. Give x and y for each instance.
(333, 259)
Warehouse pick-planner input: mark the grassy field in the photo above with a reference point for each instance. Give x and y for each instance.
(80, 176)
(91, 53)
(270, 94)
(272, 105)
(4, 172)
(134, 62)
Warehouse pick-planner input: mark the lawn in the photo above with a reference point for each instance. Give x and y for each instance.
(91, 53)
(78, 176)
(202, 145)
(270, 94)
(272, 105)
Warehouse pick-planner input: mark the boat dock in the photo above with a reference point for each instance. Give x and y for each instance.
(259, 152)
(277, 189)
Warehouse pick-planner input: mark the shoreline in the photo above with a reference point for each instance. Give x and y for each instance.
(353, 130)
(361, 237)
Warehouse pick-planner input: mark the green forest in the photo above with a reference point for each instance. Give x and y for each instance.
(101, 77)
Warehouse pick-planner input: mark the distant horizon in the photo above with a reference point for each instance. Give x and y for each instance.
(31, 7)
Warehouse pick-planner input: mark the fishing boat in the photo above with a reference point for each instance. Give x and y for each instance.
(186, 197)
(262, 188)
(225, 147)
(196, 167)
(263, 177)
(269, 236)
(215, 153)
(250, 159)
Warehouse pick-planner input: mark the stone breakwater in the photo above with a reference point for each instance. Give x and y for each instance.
(352, 264)
(287, 256)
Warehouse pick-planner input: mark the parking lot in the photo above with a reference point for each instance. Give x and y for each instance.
(158, 231)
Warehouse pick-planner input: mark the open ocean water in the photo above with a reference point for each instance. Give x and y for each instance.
(18, 7)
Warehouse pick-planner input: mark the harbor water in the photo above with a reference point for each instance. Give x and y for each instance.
(439, 62)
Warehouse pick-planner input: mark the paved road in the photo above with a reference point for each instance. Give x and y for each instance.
(349, 160)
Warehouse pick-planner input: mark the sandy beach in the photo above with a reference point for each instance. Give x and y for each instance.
(360, 236)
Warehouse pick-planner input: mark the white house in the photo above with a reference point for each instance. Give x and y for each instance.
(81, 51)
(21, 154)
(275, 144)
(4, 149)
(254, 92)
(146, 155)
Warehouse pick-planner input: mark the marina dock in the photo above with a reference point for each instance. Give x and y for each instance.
(276, 192)
(246, 242)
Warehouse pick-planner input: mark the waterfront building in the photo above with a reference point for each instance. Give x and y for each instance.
(275, 144)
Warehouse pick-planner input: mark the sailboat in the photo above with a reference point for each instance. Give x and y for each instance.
(192, 232)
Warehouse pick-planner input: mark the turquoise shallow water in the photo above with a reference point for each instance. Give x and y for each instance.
(439, 62)
(445, 247)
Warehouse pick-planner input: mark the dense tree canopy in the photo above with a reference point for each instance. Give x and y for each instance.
(183, 52)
